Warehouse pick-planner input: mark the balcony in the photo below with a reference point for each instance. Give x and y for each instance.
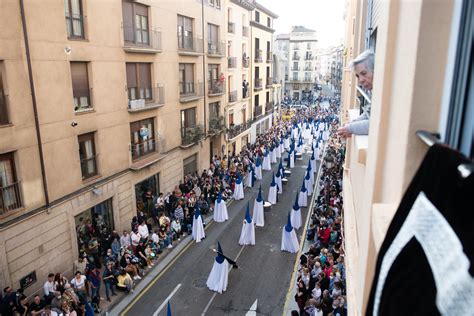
(10, 198)
(296, 57)
(245, 93)
(308, 57)
(231, 27)
(307, 68)
(269, 57)
(297, 68)
(245, 31)
(142, 99)
(190, 91)
(215, 87)
(236, 130)
(82, 100)
(258, 55)
(269, 82)
(245, 61)
(141, 41)
(216, 49)
(216, 125)
(258, 84)
(257, 111)
(231, 62)
(191, 135)
(233, 96)
(269, 107)
(189, 45)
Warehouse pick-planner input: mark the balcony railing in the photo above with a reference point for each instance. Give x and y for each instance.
(233, 96)
(245, 61)
(10, 197)
(258, 55)
(297, 68)
(296, 47)
(296, 57)
(269, 57)
(245, 93)
(216, 49)
(257, 111)
(258, 84)
(308, 57)
(4, 115)
(144, 148)
(245, 31)
(82, 100)
(145, 98)
(236, 130)
(268, 107)
(139, 40)
(189, 44)
(231, 27)
(231, 62)
(269, 82)
(307, 68)
(189, 91)
(216, 124)
(215, 87)
(191, 135)
(89, 166)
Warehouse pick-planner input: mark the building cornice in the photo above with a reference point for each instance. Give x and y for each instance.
(262, 27)
(263, 9)
(246, 4)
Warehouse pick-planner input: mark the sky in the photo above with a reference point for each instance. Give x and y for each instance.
(324, 16)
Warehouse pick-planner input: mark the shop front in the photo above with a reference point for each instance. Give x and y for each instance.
(145, 192)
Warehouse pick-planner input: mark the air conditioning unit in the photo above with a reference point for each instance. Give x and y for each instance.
(132, 104)
(140, 103)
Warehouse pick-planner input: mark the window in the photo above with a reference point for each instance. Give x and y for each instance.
(80, 86)
(308, 45)
(188, 121)
(257, 16)
(74, 18)
(135, 23)
(88, 156)
(214, 109)
(295, 76)
(256, 101)
(142, 134)
(213, 38)
(4, 119)
(244, 116)
(231, 118)
(307, 76)
(139, 81)
(10, 197)
(218, 4)
(186, 79)
(190, 165)
(269, 22)
(185, 32)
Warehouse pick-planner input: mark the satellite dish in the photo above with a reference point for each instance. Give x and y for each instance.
(67, 50)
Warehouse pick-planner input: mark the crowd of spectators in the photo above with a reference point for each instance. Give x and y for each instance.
(321, 286)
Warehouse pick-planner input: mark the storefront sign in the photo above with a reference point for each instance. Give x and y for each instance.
(26, 281)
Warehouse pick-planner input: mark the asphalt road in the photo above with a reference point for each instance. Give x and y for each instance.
(264, 271)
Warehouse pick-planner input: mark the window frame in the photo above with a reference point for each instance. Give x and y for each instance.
(82, 139)
(186, 85)
(70, 20)
(140, 88)
(77, 94)
(148, 144)
(4, 114)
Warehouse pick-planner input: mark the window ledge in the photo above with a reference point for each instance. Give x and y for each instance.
(91, 179)
(185, 146)
(143, 50)
(361, 145)
(190, 98)
(146, 161)
(6, 125)
(382, 215)
(187, 53)
(216, 94)
(215, 55)
(85, 111)
(147, 107)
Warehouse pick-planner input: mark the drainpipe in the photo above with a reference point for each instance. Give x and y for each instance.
(204, 68)
(33, 99)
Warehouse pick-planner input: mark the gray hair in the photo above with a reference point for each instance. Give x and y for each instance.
(367, 57)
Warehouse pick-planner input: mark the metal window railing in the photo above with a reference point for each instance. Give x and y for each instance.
(89, 166)
(142, 38)
(215, 87)
(187, 89)
(10, 197)
(145, 97)
(190, 44)
(233, 96)
(216, 48)
(258, 55)
(231, 62)
(231, 27)
(258, 83)
(144, 148)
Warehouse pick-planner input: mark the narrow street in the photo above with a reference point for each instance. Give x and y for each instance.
(264, 271)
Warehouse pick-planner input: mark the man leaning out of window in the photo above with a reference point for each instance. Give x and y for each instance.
(363, 67)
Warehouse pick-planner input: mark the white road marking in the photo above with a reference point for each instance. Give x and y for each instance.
(253, 309)
(166, 300)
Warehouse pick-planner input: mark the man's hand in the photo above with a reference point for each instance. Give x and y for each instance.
(343, 131)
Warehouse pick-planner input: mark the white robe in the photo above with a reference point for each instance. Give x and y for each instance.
(266, 163)
(247, 235)
(309, 185)
(198, 229)
(278, 151)
(295, 217)
(292, 159)
(303, 198)
(249, 180)
(279, 184)
(239, 191)
(287, 143)
(220, 212)
(272, 194)
(217, 280)
(258, 172)
(273, 158)
(289, 241)
(313, 164)
(258, 217)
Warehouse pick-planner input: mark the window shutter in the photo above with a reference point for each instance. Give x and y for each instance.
(144, 75)
(131, 75)
(80, 82)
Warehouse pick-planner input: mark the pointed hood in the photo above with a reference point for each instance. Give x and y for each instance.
(197, 212)
(303, 188)
(309, 166)
(168, 312)
(219, 197)
(280, 166)
(281, 141)
(273, 180)
(278, 174)
(258, 163)
(296, 206)
(239, 179)
(220, 255)
(288, 160)
(288, 226)
(312, 155)
(307, 176)
(266, 153)
(248, 218)
(259, 196)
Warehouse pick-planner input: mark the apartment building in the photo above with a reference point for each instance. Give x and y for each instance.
(238, 111)
(423, 53)
(100, 101)
(299, 47)
(261, 30)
